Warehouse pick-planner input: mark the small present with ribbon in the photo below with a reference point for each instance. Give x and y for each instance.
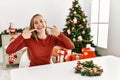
(88, 52)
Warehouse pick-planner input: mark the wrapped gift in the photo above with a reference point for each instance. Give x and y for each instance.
(75, 56)
(62, 53)
(68, 57)
(88, 53)
(59, 53)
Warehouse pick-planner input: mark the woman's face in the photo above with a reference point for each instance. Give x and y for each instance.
(39, 24)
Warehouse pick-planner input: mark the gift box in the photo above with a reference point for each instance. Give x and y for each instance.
(88, 53)
(59, 53)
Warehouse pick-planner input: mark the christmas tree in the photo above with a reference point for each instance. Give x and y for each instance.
(77, 28)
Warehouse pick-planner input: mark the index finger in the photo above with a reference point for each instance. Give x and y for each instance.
(54, 26)
(32, 30)
(49, 27)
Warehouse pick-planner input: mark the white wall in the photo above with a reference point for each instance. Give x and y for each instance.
(19, 12)
(114, 31)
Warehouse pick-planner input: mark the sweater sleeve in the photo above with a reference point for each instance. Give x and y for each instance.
(64, 41)
(15, 45)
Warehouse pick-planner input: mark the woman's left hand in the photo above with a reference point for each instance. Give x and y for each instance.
(54, 30)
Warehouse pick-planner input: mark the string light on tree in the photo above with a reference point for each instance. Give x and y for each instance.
(83, 32)
(84, 19)
(76, 6)
(74, 39)
(74, 12)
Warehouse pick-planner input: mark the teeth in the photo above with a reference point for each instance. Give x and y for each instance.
(40, 27)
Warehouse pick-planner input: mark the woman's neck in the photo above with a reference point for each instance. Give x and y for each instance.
(42, 35)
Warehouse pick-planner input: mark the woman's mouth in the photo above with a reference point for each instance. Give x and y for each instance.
(39, 28)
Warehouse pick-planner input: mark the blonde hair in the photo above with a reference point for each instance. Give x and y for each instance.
(34, 34)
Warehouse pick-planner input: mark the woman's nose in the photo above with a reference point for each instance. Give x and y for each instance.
(39, 23)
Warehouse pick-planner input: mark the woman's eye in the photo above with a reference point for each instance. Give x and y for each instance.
(41, 21)
(36, 23)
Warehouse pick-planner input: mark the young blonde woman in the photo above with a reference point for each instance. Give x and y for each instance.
(38, 42)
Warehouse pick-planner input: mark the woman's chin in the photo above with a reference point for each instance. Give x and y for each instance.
(39, 31)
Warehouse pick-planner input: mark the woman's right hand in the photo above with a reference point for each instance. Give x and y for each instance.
(54, 30)
(27, 33)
